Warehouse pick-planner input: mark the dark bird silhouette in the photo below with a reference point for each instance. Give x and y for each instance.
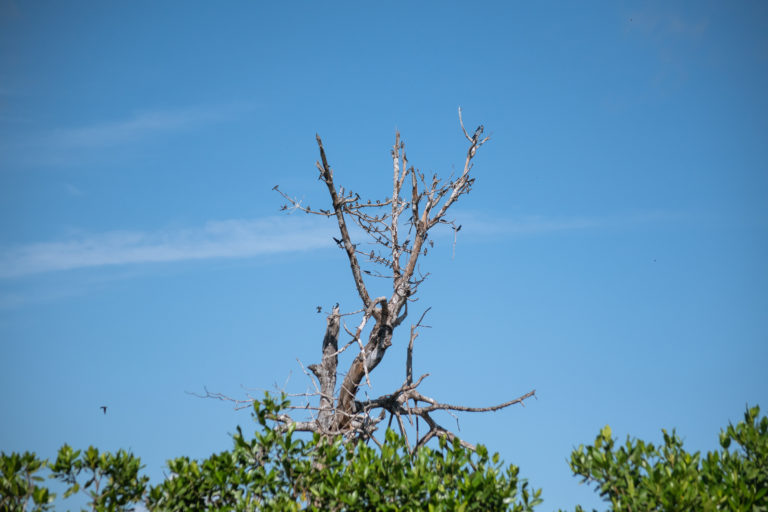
(338, 242)
(478, 133)
(103, 409)
(319, 309)
(275, 187)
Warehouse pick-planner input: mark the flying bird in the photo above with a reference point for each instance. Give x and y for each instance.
(319, 309)
(103, 409)
(338, 242)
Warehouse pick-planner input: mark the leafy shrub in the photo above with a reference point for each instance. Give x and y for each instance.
(639, 476)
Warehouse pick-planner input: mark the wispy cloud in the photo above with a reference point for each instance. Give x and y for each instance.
(673, 35)
(222, 239)
(527, 225)
(246, 238)
(141, 125)
(72, 190)
(664, 23)
(479, 224)
(19, 298)
(23, 142)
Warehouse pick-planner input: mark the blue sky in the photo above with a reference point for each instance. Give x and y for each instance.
(613, 251)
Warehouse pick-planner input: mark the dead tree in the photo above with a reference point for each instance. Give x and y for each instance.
(398, 229)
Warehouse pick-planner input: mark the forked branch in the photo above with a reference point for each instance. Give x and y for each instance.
(398, 232)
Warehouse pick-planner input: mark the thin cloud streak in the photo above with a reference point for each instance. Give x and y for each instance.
(529, 225)
(76, 144)
(141, 125)
(482, 225)
(247, 238)
(222, 239)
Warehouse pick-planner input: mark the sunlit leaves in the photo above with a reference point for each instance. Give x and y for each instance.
(642, 476)
(275, 470)
(111, 480)
(18, 483)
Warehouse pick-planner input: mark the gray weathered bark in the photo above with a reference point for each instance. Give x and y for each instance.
(426, 201)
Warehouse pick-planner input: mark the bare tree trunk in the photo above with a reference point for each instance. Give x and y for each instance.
(326, 372)
(395, 246)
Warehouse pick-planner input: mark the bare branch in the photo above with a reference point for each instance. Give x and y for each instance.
(436, 430)
(394, 255)
(461, 122)
(326, 372)
(435, 406)
(338, 208)
(239, 403)
(409, 356)
(369, 312)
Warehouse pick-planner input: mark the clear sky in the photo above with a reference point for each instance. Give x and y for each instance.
(613, 255)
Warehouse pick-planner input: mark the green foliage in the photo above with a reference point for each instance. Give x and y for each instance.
(277, 470)
(112, 481)
(17, 483)
(641, 476)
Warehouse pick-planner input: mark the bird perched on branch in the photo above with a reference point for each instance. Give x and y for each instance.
(477, 134)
